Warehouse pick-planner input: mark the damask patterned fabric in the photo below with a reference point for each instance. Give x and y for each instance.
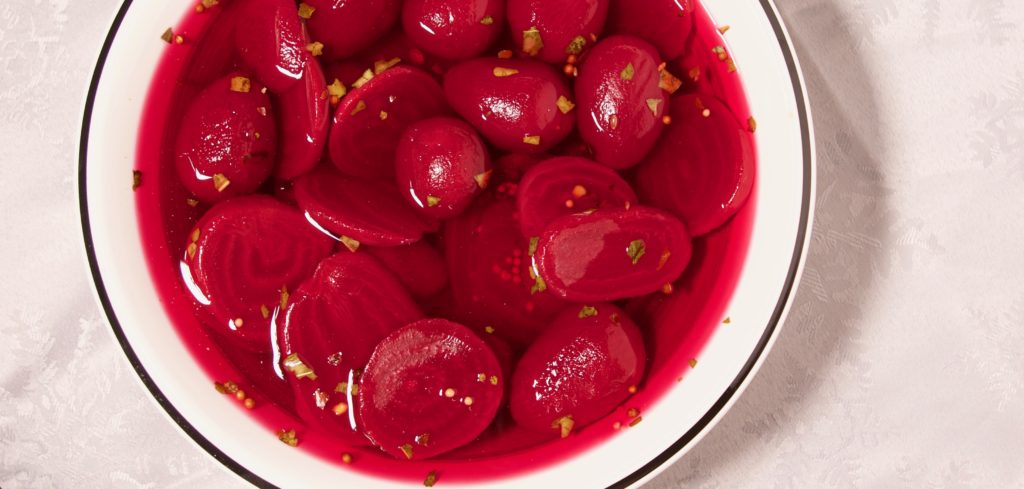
(901, 365)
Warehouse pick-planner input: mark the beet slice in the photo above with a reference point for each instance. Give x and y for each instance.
(703, 169)
(569, 185)
(620, 102)
(512, 166)
(429, 388)
(664, 23)
(442, 164)
(453, 29)
(428, 274)
(227, 140)
(347, 27)
(369, 121)
(333, 322)
(520, 106)
(241, 256)
(552, 31)
(304, 114)
(609, 255)
(578, 371)
(271, 42)
(368, 211)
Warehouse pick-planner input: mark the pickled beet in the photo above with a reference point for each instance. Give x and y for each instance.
(240, 258)
(333, 322)
(453, 29)
(520, 106)
(427, 278)
(703, 170)
(429, 388)
(441, 165)
(371, 118)
(370, 212)
(228, 141)
(664, 23)
(511, 167)
(303, 112)
(271, 42)
(610, 255)
(551, 31)
(347, 27)
(620, 102)
(568, 185)
(579, 370)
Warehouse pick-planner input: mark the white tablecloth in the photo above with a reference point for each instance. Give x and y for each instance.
(901, 365)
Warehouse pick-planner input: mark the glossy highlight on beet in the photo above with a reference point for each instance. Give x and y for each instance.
(271, 42)
(304, 114)
(453, 29)
(551, 31)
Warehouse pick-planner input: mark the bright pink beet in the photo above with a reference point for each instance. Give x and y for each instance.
(333, 322)
(429, 388)
(370, 212)
(703, 169)
(620, 103)
(370, 120)
(520, 106)
(227, 142)
(569, 185)
(610, 255)
(563, 28)
(271, 42)
(304, 112)
(349, 26)
(419, 266)
(578, 371)
(453, 29)
(240, 257)
(664, 23)
(441, 165)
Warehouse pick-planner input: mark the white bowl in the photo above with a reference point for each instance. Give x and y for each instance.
(781, 226)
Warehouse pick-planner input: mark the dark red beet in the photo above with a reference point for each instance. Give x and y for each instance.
(211, 60)
(428, 277)
(569, 185)
(441, 165)
(620, 103)
(453, 29)
(703, 169)
(429, 388)
(520, 106)
(270, 39)
(347, 27)
(664, 23)
(611, 255)
(370, 212)
(562, 28)
(227, 142)
(578, 371)
(511, 167)
(242, 254)
(370, 120)
(304, 113)
(333, 322)
(346, 72)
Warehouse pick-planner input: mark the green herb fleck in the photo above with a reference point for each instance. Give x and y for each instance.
(636, 250)
(588, 311)
(627, 74)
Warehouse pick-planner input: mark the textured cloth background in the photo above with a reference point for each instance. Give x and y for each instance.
(901, 365)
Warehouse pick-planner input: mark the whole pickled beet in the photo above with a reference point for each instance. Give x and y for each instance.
(620, 103)
(453, 29)
(427, 278)
(358, 212)
(552, 31)
(242, 257)
(271, 42)
(610, 255)
(429, 388)
(441, 165)
(370, 120)
(346, 27)
(664, 23)
(578, 371)
(520, 106)
(703, 169)
(227, 141)
(332, 324)
(569, 185)
(304, 114)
